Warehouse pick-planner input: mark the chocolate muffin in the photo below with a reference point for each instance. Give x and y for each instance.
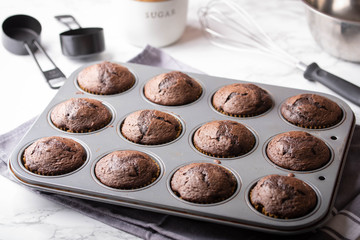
(283, 197)
(150, 127)
(203, 183)
(298, 151)
(224, 139)
(311, 111)
(54, 156)
(172, 89)
(80, 115)
(105, 78)
(242, 100)
(127, 170)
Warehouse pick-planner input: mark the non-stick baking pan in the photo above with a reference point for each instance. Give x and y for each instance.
(158, 197)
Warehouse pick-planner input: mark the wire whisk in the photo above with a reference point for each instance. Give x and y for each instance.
(226, 24)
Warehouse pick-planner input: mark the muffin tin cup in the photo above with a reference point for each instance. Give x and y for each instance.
(156, 197)
(236, 191)
(157, 105)
(22, 165)
(298, 171)
(208, 155)
(83, 91)
(108, 106)
(234, 116)
(155, 158)
(180, 133)
(326, 128)
(313, 211)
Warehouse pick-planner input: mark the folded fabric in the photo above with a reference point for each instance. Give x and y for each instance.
(345, 224)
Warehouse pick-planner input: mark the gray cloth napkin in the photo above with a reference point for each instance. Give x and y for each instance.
(345, 223)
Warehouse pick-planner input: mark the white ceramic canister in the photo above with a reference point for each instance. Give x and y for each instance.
(155, 22)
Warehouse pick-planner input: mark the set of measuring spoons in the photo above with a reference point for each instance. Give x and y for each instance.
(21, 35)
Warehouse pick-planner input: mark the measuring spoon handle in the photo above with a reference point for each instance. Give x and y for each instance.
(54, 77)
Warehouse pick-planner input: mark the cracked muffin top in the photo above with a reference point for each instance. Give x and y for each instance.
(80, 115)
(203, 183)
(54, 156)
(283, 197)
(224, 139)
(127, 170)
(151, 127)
(105, 78)
(242, 100)
(297, 150)
(172, 89)
(311, 111)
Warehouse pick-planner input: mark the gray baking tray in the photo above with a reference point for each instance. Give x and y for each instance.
(158, 197)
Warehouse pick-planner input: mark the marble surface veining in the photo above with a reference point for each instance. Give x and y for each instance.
(26, 215)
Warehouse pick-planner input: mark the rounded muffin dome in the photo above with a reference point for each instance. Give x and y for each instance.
(54, 156)
(105, 78)
(203, 183)
(80, 115)
(242, 100)
(311, 111)
(297, 150)
(224, 139)
(151, 127)
(283, 197)
(127, 170)
(172, 89)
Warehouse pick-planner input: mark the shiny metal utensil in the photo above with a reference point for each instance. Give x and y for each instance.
(229, 26)
(335, 26)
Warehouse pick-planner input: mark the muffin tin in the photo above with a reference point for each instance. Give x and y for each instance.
(158, 196)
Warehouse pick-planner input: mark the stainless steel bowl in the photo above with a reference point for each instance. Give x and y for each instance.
(335, 26)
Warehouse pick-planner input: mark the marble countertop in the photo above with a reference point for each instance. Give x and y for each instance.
(25, 93)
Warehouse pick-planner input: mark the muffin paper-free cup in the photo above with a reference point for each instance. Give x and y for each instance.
(152, 180)
(204, 203)
(178, 134)
(235, 211)
(88, 131)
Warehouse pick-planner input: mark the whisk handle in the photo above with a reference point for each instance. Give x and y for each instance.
(342, 87)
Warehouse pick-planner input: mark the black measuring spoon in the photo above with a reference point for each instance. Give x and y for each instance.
(80, 42)
(21, 36)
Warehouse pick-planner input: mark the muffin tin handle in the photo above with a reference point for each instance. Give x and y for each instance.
(54, 77)
(344, 88)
